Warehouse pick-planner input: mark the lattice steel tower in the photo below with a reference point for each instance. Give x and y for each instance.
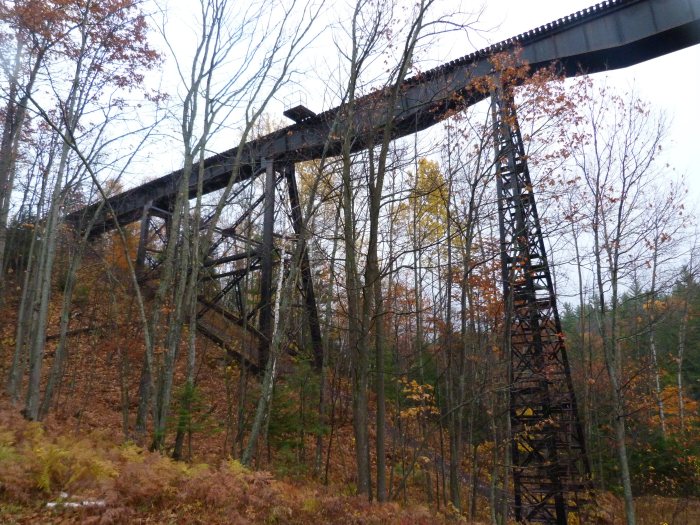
(550, 468)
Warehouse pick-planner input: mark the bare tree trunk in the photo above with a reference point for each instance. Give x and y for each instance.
(180, 263)
(359, 351)
(25, 312)
(170, 297)
(265, 400)
(60, 355)
(652, 340)
(613, 363)
(144, 397)
(15, 113)
(322, 402)
(682, 336)
(40, 307)
(191, 301)
(381, 395)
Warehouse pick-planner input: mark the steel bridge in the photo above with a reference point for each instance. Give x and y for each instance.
(549, 459)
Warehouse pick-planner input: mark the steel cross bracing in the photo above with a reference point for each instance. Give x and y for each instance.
(235, 256)
(550, 467)
(548, 452)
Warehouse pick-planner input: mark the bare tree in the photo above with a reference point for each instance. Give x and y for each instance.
(370, 25)
(615, 154)
(24, 47)
(242, 56)
(103, 46)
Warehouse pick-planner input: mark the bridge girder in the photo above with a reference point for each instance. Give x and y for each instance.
(609, 35)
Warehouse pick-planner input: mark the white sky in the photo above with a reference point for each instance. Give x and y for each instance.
(671, 83)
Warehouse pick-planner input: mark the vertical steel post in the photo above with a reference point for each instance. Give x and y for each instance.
(143, 239)
(306, 281)
(266, 251)
(550, 467)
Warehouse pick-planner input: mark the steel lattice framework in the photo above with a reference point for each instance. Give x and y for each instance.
(549, 459)
(234, 255)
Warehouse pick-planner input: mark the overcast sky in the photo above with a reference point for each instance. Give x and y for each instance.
(671, 82)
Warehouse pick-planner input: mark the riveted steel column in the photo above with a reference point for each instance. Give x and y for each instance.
(306, 281)
(143, 239)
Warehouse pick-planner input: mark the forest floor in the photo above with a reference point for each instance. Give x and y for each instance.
(81, 464)
(51, 474)
(53, 477)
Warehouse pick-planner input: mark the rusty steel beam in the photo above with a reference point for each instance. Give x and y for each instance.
(265, 325)
(609, 35)
(305, 267)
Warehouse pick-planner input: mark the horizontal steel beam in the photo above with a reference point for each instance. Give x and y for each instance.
(231, 258)
(609, 35)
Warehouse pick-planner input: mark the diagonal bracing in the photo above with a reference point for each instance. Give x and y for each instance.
(550, 467)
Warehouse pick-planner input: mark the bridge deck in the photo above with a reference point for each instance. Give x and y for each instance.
(609, 35)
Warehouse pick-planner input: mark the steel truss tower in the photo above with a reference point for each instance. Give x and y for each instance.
(224, 316)
(550, 467)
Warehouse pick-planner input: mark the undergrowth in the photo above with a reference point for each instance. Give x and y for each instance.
(91, 479)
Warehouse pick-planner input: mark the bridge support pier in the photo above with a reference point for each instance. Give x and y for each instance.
(251, 254)
(266, 253)
(143, 239)
(305, 267)
(550, 467)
